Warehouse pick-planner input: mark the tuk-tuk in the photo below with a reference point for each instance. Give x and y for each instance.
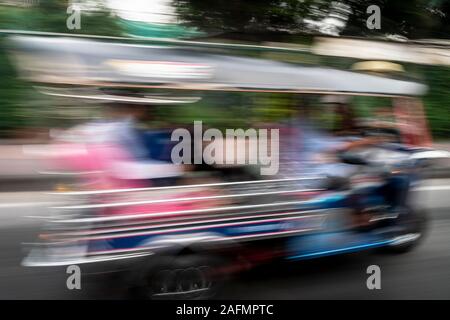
(182, 240)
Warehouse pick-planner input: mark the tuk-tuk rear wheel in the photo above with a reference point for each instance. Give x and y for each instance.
(186, 276)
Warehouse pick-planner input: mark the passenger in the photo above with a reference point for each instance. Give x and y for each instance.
(124, 125)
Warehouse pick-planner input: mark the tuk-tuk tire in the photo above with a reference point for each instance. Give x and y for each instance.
(148, 271)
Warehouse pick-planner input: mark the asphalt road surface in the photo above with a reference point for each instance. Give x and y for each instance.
(421, 274)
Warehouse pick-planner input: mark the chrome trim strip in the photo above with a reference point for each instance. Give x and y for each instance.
(181, 212)
(267, 234)
(122, 204)
(209, 226)
(221, 184)
(28, 262)
(149, 226)
(218, 184)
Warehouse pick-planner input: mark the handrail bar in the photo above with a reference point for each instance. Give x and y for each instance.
(219, 184)
(131, 203)
(161, 214)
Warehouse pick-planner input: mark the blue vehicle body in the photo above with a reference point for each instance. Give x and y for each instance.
(308, 233)
(316, 226)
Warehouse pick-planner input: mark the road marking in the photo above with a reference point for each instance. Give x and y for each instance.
(432, 188)
(25, 204)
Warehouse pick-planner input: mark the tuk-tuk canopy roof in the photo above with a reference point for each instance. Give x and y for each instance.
(92, 62)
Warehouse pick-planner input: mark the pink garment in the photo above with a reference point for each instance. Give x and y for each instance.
(98, 159)
(170, 206)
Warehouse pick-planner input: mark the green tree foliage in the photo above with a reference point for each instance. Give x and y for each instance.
(51, 16)
(411, 18)
(437, 101)
(10, 97)
(16, 109)
(242, 15)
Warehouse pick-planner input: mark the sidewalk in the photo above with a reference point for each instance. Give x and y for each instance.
(16, 163)
(442, 145)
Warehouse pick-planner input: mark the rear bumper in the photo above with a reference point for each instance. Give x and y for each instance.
(46, 257)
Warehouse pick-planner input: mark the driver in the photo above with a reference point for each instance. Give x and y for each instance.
(319, 152)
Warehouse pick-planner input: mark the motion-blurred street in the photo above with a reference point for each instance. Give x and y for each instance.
(420, 274)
